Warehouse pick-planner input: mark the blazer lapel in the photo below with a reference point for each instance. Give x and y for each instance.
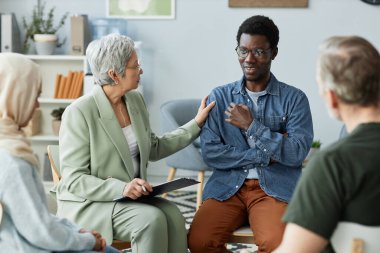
(112, 128)
(140, 132)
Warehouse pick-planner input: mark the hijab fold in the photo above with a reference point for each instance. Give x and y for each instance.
(20, 85)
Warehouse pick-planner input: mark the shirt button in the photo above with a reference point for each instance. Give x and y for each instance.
(245, 170)
(265, 150)
(251, 137)
(236, 187)
(283, 118)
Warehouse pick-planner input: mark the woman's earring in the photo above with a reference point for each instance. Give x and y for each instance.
(116, 82)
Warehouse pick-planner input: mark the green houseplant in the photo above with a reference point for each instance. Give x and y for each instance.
(42, 24)
(57, 117)
(316, 144)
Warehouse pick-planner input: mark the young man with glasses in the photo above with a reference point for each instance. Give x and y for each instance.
(256, 139)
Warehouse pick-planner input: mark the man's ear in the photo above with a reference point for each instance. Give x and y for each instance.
(332, 99)
(274, 53)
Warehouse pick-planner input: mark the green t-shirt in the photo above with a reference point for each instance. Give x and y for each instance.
(340, 183)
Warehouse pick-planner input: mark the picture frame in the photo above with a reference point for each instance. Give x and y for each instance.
(141, 9)
(268, 3)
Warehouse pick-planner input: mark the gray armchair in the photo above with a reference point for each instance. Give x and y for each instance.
(174, 114)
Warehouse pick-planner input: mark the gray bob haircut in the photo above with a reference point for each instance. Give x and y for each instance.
(350, 66)
(109, 52)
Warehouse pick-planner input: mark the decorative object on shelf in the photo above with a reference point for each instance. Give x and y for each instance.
(268, 3)
(42, 31)
(141, 9)
(34, 125)
(373, 2)
(102, 26)
(57, 117)
(80, 34)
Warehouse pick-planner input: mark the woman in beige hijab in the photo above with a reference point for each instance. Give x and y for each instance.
(27, 226)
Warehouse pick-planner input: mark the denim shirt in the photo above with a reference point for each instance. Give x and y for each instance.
(278, 159)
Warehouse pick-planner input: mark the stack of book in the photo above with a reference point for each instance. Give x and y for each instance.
(70, 86)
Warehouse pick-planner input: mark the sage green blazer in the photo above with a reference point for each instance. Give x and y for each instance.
(95, 159)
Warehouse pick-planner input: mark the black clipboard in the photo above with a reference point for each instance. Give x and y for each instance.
(163, 188)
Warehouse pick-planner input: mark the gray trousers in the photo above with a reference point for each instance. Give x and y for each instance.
(152, 226)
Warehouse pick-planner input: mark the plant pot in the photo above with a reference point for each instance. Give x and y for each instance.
(56, 124)
(311, 153)
(45, 43)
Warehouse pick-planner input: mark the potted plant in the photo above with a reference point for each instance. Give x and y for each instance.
(42, 30)
(57, 117)
(315, 146)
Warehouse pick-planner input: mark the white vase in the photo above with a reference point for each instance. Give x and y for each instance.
(45, 43)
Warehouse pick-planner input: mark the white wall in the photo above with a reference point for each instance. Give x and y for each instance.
(188, 56)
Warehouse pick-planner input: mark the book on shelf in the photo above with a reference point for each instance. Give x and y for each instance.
(70, 86)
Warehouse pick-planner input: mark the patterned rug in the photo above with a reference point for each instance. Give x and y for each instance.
(186, 201)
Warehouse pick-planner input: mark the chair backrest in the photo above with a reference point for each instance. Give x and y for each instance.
(1, 212)
(174, 114)
(356, 238)
(53, 154)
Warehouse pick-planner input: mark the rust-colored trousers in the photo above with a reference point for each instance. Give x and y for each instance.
(215, 221)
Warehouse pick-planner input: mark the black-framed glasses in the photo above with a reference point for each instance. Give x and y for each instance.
(243, 52)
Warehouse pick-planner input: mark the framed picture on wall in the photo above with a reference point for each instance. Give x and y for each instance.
(268, 3)
(141, 9)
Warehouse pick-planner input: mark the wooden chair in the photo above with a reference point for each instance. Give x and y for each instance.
(243, 235)
(356, 238)
(53, 154)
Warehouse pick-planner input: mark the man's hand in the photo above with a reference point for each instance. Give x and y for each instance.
(239, 116)
(136, 188)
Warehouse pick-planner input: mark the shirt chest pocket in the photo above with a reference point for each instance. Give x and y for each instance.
(278, 123)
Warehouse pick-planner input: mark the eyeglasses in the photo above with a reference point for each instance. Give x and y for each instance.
(243, 52)
(138, 67)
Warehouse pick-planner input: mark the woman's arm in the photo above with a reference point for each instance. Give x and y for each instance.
(24, 201)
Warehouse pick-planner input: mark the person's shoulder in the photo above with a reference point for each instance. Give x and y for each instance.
(291, 89)
(225, 88)
(329, 159)
(81, 104)
(82, 101)
(12, 166)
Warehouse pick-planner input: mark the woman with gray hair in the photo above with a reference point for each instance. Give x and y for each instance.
(105, 144)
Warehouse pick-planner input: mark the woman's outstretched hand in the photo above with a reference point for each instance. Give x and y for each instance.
(203, 111)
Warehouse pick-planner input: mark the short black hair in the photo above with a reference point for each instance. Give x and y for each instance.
(260, 25)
